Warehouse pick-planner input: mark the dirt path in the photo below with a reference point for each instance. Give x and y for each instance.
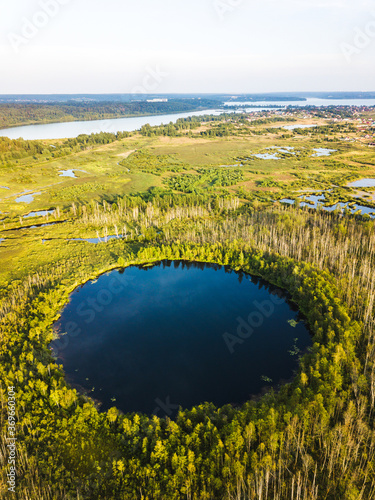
(127, 154)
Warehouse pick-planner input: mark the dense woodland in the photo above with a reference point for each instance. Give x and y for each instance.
(12, 115)
(310, 439)
(12, 150)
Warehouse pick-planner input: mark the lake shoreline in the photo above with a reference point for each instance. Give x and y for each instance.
(110, 117)
(103, 332)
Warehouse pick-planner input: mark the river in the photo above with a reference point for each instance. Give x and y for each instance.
(73, 129)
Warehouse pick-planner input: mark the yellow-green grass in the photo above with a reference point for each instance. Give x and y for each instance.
(106, 176)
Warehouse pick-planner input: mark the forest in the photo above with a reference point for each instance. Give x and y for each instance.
(16, 114)
(200, 198)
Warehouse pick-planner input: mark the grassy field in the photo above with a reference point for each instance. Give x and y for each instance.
(103, 171)
(134, 165)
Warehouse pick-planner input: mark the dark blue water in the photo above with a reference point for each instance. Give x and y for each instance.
(178, 334)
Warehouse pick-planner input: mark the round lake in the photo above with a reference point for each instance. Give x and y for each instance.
(150, 339)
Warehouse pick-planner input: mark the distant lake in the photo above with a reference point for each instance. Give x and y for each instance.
(73, 129)
(151, 338)
(310, 101)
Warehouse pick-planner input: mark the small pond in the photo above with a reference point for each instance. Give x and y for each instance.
(39, 213)
(361, 183)
(148, 339)
(26, 198)
(70, 173)
(97, 240)
(43, 225)
(315, 201)
(298, 125)
(267, 156)
(323, 152)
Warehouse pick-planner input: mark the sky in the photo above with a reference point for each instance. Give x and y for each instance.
(165, 46)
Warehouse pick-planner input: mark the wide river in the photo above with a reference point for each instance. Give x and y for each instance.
(153, 338)
(73, 129)
(310, 101)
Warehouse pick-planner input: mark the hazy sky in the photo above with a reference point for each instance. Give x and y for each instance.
(97, 46)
